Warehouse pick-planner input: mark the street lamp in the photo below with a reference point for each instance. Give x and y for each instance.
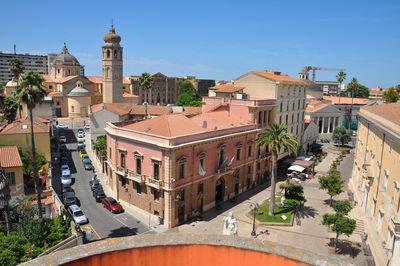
(254, 207)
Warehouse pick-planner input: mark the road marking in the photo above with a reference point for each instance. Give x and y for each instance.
(146, 231)
(89, 227)
(115, 217)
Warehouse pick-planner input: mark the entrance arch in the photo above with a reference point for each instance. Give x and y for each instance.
(219, 190)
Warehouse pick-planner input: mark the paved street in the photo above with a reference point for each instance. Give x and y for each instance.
(103, 223)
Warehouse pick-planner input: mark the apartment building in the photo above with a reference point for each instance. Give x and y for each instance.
(174, 165)
(35, 63)
(289, 93)
(376, 173)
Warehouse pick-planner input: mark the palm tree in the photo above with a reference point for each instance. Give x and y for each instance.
(146, 81)
(276, 138)
(5, 197)
(31, 91)
(351, 88)
(341, 76)
(17, 68)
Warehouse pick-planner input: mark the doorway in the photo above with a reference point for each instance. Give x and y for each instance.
(236, 188)
(219, 190)
(181, 214)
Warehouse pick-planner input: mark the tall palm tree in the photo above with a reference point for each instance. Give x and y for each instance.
(31, 91)
(17, 68)
(276, 138)
(341, 76)
(351, 88)
(5, 197)
(145, 81)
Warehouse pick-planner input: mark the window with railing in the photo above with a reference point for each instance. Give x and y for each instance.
(156, 170)
(181, 162)
(138, 166)
(122, 161)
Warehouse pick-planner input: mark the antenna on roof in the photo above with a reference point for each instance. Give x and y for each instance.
(15, 48)
(112, 23)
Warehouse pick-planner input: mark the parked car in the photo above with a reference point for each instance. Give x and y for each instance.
(63, 139)
(64, 160)
(112, 205)
(354, 133)
(62, 126)
(63, 148)
(87, 127)
(66, 188)
(69, 198)
(98, 194)
(81, 131)
(77, 214)
(85, 158)
(64, 167)
(81, 138)
(81, 135)
(94, 184)
(88, 165)
(81, 145)
(66, 177)
(81, 153)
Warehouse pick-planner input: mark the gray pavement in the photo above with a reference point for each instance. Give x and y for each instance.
(103, 223)
(310, 234)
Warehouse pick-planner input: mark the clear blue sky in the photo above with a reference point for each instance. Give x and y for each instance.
(216, 39)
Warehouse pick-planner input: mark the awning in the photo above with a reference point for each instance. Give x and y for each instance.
(296, 168)
(303, 163)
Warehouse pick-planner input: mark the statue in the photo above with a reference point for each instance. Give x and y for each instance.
(283, 201)
(230, 225)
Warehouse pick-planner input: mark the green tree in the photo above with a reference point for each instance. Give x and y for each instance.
(184, 99)
(12, 248)
(292, 191)
(195, 103)
(10, 108)
(17, 68)
(31, 91)
(398, 88)
(361, 91)
(2, 96)
(339, 224)
(276, 139)
(5, 196)
(101, 146)
(343, 207)
(332, 183)
(391, 95)
(146, 81)
(341, 76)
(341, 135)
(27, 162)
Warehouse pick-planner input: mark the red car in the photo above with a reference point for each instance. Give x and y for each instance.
(112, 205)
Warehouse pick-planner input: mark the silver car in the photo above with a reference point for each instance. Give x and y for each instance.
(77, 214)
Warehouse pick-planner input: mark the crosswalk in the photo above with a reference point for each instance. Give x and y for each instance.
(360, 228)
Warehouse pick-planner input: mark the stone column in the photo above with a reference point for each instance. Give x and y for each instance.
(323, 125)
(395, 260)
(329, 125)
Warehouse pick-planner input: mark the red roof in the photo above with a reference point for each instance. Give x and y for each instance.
(128, 95)
(315, 106)
(173, 125)
(389, 111)
(24, 126)
(99, 80)
(345, 100)
(9, 157)
(276, 77)
(227, 88)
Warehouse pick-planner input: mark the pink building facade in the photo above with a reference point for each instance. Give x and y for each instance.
(173, 166)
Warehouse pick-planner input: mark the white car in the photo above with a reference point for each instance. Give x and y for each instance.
(66, 177)
(87, 127)
(77, 214)
(64, 167)
(62, 126)
(63, 139)
(81, 135)
(81, 139)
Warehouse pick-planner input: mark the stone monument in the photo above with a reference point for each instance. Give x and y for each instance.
(230, 225)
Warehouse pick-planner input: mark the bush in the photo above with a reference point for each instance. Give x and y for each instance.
(293, 191)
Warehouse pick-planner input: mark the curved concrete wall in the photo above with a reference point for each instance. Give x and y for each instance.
(75, 104)
(184, 250)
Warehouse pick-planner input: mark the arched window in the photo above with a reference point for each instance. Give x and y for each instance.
(108, 53)
(115, 54)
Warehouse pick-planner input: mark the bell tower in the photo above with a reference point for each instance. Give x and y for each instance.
(112, 68)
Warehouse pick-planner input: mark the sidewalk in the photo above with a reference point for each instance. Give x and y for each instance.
(142, 217)
(310, 235)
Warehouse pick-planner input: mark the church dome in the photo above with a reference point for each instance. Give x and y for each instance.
(79, 91)
(65, 57)
(112, 37)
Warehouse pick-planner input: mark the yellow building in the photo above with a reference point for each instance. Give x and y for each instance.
(18, 133)
(11, 162)
(376, 172)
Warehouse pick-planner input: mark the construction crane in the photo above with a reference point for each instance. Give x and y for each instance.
(306, 69)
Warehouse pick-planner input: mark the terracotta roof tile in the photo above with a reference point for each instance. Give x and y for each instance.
(62, 80)
(128, 95)
(276, 77)
(173, 125)
(151, 110)
(99, 80)
(219, 119)
(315, 106)
(389, 111)
(307, 121)
(55, 93)
(24, 126)
(227, 88)
(190, 111)
(118, 108)
(9, 157)
(345, 100)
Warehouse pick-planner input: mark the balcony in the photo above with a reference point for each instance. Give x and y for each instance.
(263, 155)
(136, 177)
(223, 170)
(121, 171)
(152, 182)
(367, 173)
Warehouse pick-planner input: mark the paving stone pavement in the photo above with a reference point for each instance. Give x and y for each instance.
(311, 234)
